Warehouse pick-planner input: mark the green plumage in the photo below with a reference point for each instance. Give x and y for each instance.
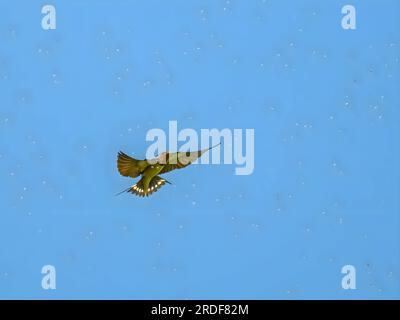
(149, 170)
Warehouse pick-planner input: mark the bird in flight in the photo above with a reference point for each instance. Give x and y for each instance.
(149, 170)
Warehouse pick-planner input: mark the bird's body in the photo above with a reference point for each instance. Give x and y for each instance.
(149, 170)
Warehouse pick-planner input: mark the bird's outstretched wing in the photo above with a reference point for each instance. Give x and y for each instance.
(179, 160)
(130, 167)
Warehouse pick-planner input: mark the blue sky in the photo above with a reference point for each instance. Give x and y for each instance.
(324, 105)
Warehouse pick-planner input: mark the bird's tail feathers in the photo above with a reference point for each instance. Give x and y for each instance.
(138, 189)
(126, 190)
